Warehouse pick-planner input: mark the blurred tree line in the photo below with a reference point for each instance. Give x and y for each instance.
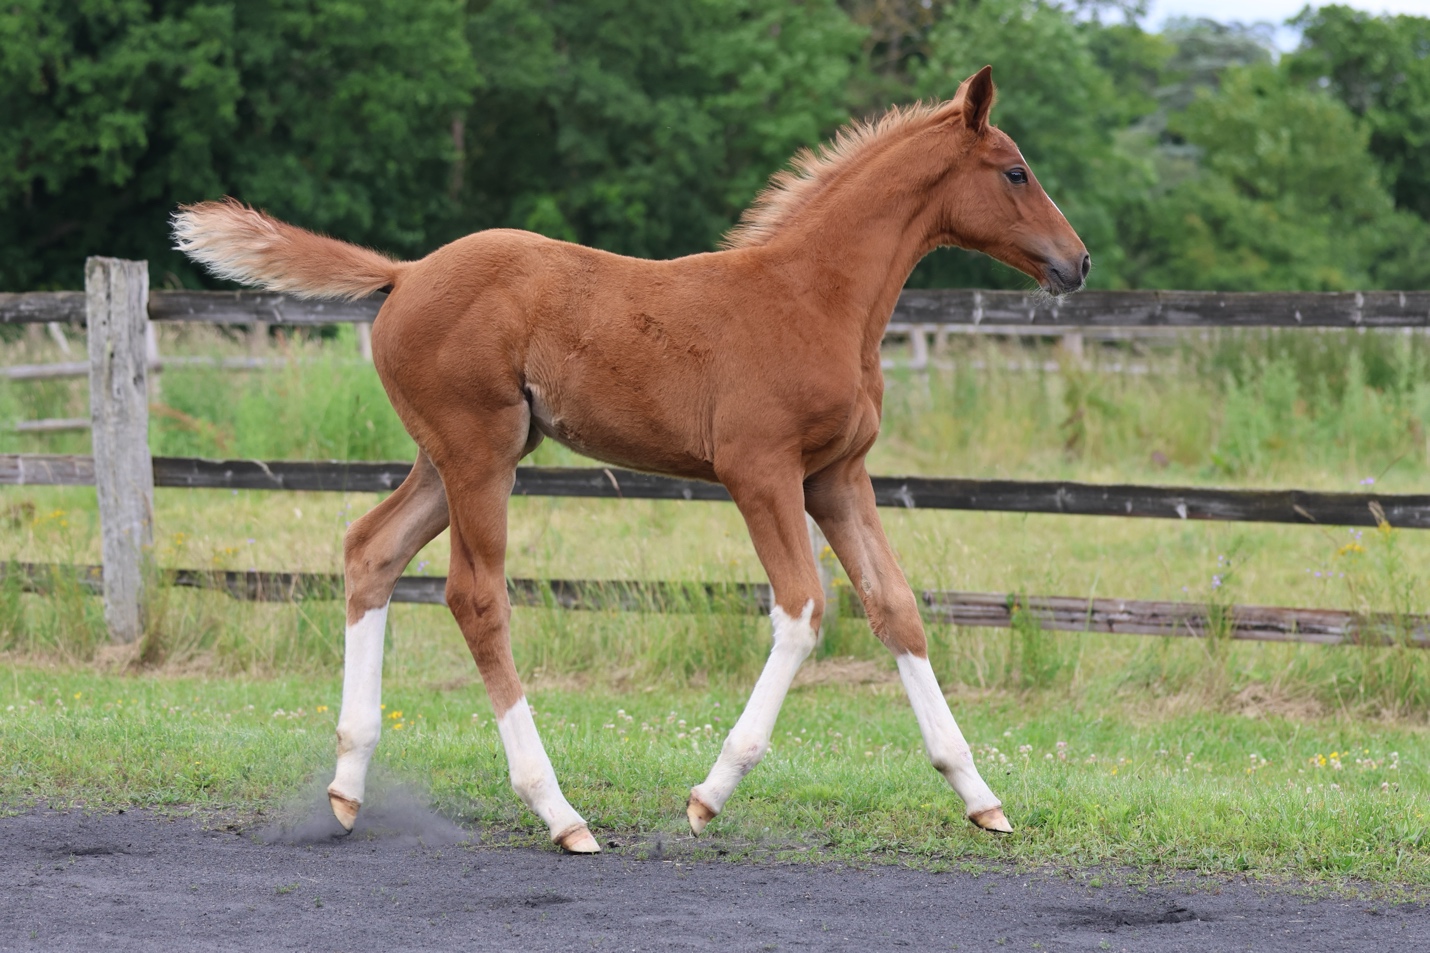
(1191, 158)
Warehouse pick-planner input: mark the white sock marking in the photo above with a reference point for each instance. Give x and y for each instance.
(750, 738)
(360, 719)
(944, 743)
(532, 776)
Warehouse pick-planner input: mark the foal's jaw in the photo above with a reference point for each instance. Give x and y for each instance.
(1041, 244)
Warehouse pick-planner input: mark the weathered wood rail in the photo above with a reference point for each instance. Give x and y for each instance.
(956, 306)
(62, 369)
(983, 609)
(1066, 498)
(118, 324)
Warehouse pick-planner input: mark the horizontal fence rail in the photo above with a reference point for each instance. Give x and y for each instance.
(66, 369)
(207, 307)
(981, 609)
(1407, 511)
(1187, 309)
(1011, 309)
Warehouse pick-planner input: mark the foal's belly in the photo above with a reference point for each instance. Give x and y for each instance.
(620, 428)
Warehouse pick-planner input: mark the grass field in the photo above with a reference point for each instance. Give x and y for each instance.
(1088, 782)
(1294, 760)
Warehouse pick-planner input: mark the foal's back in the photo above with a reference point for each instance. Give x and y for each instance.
(639, 363)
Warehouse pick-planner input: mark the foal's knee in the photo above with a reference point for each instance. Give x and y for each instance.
(483, 607)
(896, 621)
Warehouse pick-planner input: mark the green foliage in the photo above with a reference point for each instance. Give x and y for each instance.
(1380, 68)
(1287, 392)
(336, 116)
(1285, 197)
(645, 127)
(1037, 659)
(1201, 50)
(1136, 63)
(1185, 159)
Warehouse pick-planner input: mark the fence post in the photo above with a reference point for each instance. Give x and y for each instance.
(919, 345)
(57, 333)
(117, 310)
(258, 338)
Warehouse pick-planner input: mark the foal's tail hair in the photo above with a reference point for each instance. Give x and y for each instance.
(243, 244)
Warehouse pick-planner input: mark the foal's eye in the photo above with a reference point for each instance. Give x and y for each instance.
(1017, 176)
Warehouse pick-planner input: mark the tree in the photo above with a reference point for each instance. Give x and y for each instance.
(1380, 68)
(642, 126)
(1202, 50)
(645, 127)
(1285, 197)
(334, 115)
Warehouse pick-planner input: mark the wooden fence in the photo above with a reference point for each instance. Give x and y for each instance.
(117, 307)
(1011, 309)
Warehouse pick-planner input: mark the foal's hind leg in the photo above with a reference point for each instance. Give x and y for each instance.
(378, 546)
(773, 508)
(478, 484)
(842, 503)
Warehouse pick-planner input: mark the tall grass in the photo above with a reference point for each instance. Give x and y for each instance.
(1334, 407)
(1229, 405)
(322, 406)
(1338, 410)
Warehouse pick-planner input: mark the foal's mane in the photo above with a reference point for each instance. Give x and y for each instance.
(812, 170)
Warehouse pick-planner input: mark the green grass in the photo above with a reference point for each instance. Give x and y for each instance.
(1087, 782)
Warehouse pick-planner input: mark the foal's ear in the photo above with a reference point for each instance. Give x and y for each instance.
(975, 97)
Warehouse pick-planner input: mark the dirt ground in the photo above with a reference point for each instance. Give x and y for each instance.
(137, 881)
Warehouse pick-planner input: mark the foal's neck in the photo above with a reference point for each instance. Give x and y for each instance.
(855, 246)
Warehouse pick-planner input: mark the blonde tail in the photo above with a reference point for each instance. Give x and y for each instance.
(245, 245)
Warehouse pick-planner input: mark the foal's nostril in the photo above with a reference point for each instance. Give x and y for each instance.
(1086, 265)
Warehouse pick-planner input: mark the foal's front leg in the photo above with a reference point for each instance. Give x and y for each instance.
(774, 512)
(842, 503)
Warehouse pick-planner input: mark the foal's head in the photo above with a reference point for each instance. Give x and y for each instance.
(991, 202)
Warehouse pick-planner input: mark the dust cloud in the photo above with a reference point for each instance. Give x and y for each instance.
(393, 811)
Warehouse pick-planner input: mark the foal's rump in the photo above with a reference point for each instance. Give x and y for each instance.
(611, 355)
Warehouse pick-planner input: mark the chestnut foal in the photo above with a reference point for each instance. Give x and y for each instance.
(756, 366)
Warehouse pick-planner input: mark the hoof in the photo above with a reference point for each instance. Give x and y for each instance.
(578, 840)
(992, 820)
(345, 809)
(699, 813)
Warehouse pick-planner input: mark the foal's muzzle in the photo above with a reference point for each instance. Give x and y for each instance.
(1064, 277)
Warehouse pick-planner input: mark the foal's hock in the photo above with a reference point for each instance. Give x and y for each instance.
(756, 366)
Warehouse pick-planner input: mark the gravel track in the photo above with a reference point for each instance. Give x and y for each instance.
(137, 881)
